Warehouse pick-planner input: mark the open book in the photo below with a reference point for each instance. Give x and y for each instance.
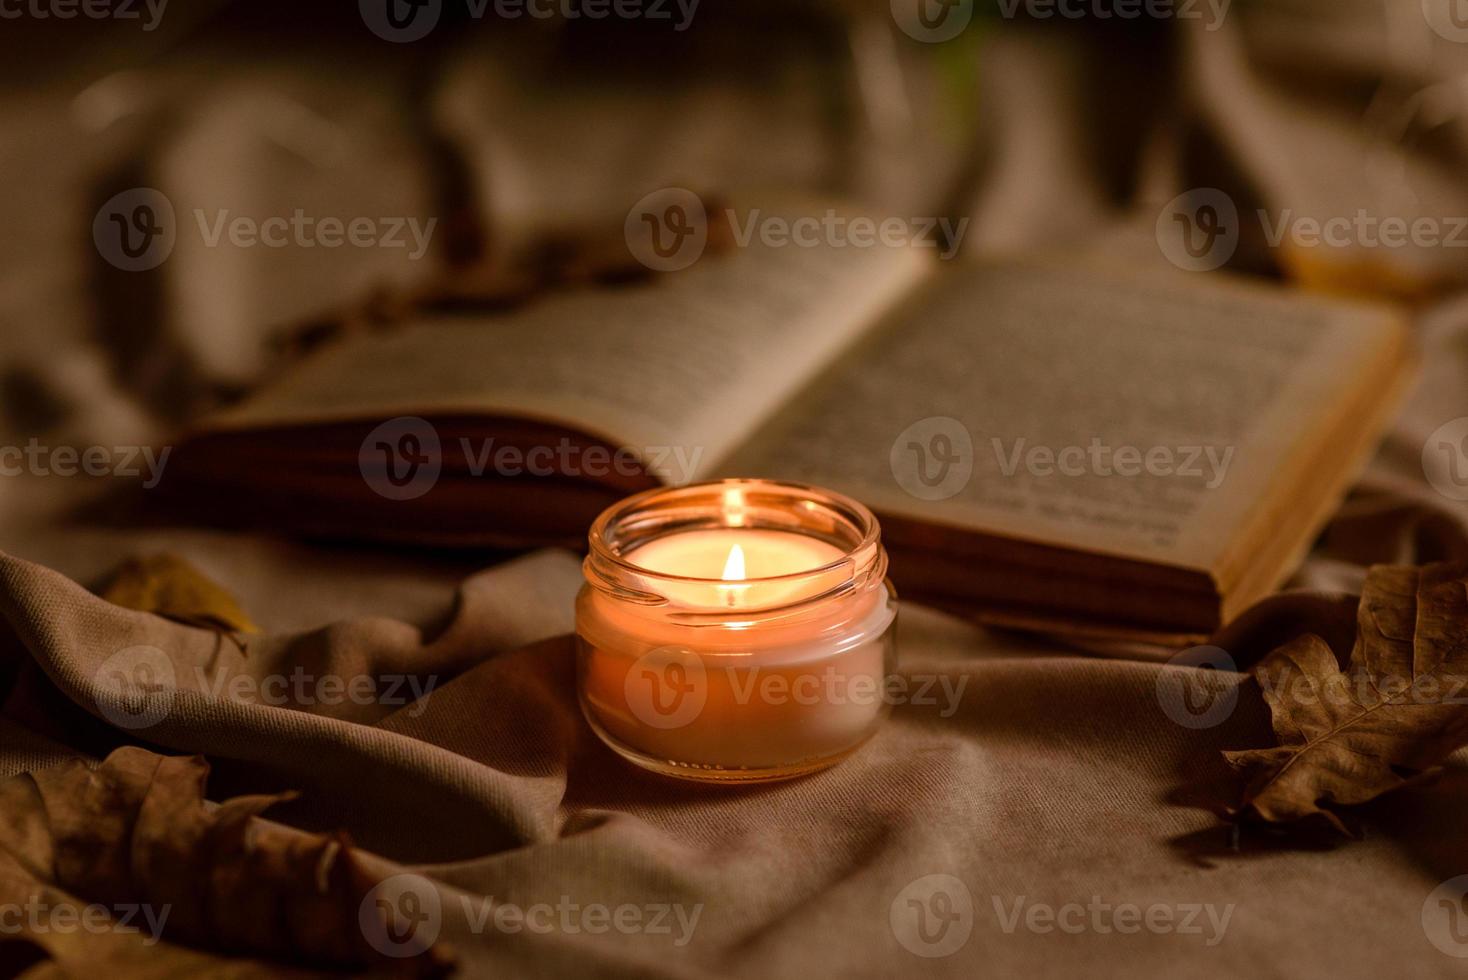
(1045, 444)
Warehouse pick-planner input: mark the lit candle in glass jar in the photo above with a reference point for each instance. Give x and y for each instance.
(740, 630)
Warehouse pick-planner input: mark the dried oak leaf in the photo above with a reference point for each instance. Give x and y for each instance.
(168, 586)
(137, 831)
(1398, 709)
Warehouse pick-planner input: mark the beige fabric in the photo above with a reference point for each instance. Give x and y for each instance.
(1058, 779)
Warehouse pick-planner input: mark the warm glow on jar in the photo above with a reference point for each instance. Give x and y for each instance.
(735, 631)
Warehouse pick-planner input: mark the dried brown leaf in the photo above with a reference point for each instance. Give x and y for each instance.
(1398, 709)
(138, 831)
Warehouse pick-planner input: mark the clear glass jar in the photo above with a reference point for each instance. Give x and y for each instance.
(701, 676)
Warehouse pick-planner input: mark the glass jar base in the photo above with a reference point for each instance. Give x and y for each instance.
(708, 773)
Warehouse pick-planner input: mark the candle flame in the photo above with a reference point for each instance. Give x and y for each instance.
(734, 567)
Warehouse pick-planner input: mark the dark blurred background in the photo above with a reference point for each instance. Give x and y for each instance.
(1049, 127)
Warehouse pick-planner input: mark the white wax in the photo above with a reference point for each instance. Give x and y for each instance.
(703, 554)
(706, 555)
(761, 708)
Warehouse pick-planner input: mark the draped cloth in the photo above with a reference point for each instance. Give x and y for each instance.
(1052, 779)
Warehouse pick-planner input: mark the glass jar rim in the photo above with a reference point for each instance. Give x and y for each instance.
(857, 513)
(734, 503)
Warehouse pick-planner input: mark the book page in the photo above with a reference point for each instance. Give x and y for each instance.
(1139, 416)
(692, 361)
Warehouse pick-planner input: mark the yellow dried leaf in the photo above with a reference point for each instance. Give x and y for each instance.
(168, 586)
